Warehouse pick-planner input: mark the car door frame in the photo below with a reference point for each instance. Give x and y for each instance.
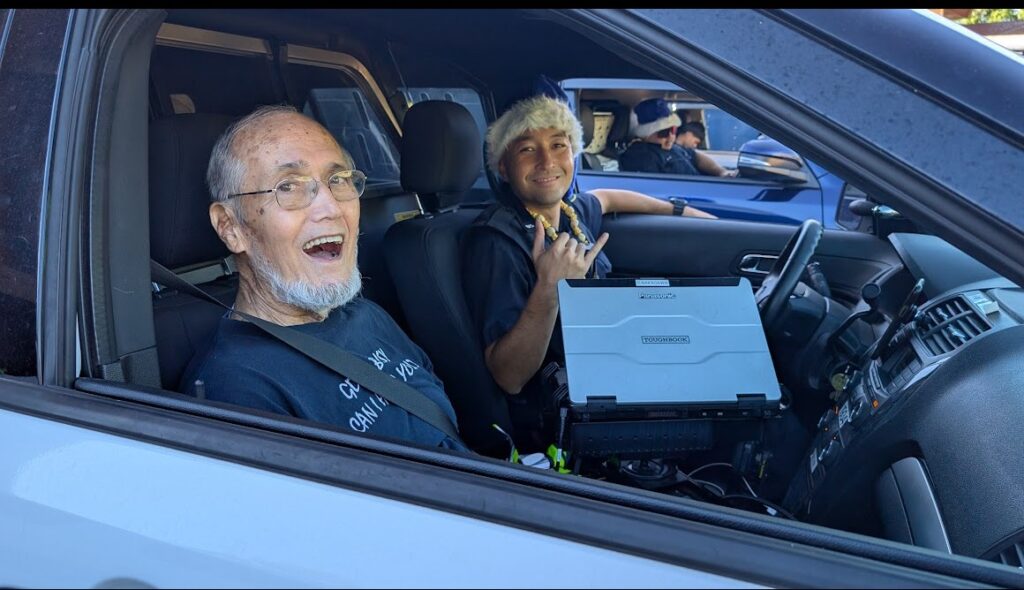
(684, 533)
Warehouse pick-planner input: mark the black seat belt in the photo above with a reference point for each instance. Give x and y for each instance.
(330, 356)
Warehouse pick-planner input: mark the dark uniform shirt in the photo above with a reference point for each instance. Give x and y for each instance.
(246, 366)
(643, 156)
(499, 275)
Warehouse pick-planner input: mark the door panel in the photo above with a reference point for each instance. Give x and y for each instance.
(657, 245)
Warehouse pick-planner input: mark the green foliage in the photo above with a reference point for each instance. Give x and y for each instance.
(993, 15)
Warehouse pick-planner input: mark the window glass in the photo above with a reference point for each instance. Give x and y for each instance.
(697, 157)
(335, 100)
(726, 132)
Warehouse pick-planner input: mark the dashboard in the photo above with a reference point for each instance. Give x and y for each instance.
(913, 446)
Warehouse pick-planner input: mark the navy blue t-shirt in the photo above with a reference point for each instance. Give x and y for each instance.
(643, 156)
(246, 366)
(499, 275)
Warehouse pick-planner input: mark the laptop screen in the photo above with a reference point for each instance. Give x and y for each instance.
(665, 341)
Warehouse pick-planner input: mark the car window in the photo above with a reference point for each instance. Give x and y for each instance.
(720, 163)
(336, 100)
(725, 132)
(609, 130)
(345, 112)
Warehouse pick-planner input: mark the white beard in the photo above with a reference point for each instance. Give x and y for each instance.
(319, 299)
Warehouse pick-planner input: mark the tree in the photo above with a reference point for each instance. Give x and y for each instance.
(993, 15)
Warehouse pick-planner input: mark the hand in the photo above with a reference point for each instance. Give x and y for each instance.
(565, 258)
(730, 173)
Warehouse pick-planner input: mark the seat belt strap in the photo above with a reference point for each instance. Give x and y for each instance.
(330, 356)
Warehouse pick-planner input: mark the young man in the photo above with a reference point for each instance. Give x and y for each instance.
(653, 127)
(690, 135)
(537, 234)
(285, 201)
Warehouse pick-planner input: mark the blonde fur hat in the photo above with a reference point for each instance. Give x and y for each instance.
(537, 112)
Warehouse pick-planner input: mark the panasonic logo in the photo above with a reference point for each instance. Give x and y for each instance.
(657, 295)
(665, 339)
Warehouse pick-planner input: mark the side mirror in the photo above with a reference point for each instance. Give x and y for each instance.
(767, 159)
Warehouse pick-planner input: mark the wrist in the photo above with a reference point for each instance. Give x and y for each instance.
(679, 205)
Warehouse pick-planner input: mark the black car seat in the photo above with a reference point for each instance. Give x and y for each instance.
(618, 132)
(182, 239)
(441, 157)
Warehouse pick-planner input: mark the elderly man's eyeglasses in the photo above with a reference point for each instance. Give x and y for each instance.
(666, 132)
(297, 192)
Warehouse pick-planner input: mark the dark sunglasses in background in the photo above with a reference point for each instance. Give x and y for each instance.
(666, 132)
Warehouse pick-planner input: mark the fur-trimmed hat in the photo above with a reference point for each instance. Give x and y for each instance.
(651, 116)
(536, 112)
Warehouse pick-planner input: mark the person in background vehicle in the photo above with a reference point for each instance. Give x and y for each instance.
(654, 127)
(689, 137)
(538, 232)
(285, 201)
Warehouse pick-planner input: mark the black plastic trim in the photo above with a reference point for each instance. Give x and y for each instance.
(919, 502)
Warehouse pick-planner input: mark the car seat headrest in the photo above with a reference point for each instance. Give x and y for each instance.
(441, 154)
(587, 122)
(602, 126)
(179, 221)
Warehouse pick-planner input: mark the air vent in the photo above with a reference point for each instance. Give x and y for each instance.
(1012, 556)
(949, 325)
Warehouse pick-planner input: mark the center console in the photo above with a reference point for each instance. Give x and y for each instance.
(865, 391)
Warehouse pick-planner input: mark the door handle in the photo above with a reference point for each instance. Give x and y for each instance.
(757, 264)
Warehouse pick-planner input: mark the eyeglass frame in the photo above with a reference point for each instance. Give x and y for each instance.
(674, 130)
(318, 181)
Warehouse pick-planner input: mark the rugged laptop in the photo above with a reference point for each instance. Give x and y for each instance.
(642, 350)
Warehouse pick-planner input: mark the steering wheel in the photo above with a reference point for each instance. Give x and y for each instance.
(785, 273)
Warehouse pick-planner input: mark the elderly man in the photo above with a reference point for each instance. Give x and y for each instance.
(538, 233)
(285, 201)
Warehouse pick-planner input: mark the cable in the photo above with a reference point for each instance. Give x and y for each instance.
(702, 467)
(731, 466)
(762, 501)
(721, 492)
(752, 493)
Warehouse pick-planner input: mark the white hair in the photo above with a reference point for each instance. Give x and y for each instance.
(225, 172)
(319, 299)
(538, 112)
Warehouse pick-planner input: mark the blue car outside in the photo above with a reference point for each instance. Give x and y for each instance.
(738, 198)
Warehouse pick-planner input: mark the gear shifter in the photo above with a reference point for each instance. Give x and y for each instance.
(906, 313)
(869, 294)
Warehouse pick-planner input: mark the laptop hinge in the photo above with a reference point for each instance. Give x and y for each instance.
(751, 401)
(599, 404)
